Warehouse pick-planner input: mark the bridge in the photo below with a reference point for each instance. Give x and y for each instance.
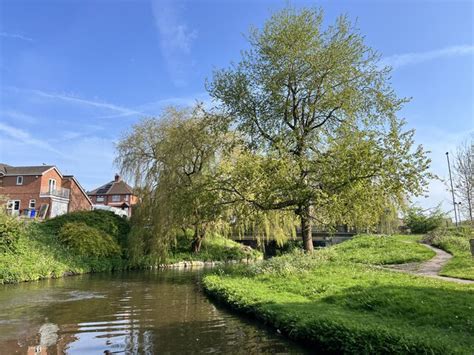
(320, 239)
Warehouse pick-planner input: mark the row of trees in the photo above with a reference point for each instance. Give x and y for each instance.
(304, 130)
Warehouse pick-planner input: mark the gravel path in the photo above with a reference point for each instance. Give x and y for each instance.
(430, 268)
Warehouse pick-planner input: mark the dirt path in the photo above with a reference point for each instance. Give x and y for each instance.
(430, 268)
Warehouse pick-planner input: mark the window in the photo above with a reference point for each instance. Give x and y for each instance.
(32, 204)
(100, 199)
(19, 180)
(52, 185)
(115, 198)
(126, 197)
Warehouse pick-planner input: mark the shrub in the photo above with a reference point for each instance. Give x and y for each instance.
(10, 231)
(105, 221)
(88, 241)
(419, 222)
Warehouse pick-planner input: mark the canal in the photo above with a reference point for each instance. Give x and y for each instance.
(138, 312)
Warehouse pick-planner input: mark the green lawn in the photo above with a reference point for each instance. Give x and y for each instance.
(338, 303)
(457, 244)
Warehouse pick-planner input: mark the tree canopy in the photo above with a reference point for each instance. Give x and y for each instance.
(306, 132)
(319, 119)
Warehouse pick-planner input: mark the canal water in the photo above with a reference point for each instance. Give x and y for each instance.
(137, 312)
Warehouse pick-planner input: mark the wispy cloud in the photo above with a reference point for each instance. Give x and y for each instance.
(26, 138)
(19, 116)
(155, 107)
(77, 100)
(400, 60)
(15, 36)
(175, 38)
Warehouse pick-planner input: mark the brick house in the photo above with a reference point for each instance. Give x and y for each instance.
(116, 193)
(41, 191)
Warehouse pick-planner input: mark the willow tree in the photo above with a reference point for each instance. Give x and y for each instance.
(173, 159)
(318, 116)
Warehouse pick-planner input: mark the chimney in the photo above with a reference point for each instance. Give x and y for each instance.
(117, 178)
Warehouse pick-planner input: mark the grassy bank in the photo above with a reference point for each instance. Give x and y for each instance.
(337, 301)
(84, 242)
(455, 242)
(214, 248)
(36, 250)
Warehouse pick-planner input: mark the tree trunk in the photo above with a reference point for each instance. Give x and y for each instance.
(196, 245)
(199, 234)
(197, 241)
(306, 229)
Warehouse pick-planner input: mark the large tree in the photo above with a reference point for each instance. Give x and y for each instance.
(172, 160)
(318, 117)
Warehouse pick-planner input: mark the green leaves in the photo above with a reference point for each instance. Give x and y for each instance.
(318, 119)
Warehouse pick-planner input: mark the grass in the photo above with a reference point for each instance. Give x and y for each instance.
(35, 251)
(213, 248)
(456, 242)
(38, 254)
(338, 302)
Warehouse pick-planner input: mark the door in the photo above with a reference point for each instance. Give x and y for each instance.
(52, 185)
(13, 207)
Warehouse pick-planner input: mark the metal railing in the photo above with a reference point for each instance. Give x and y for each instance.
(58, 192)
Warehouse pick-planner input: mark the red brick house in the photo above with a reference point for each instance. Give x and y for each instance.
(116, 193)
(41, 191)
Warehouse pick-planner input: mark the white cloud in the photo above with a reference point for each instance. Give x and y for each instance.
(77, 100)
(175, 38)
(25, 138)
(15, 36)
(124, 111)
(400, 60)
(19, 116)
(154, 108)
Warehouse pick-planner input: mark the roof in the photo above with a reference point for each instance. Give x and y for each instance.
(113, 188)
(7, 170)
(71, 177)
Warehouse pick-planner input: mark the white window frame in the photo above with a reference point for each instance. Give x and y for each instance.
(115, 198)
(19, 180)
(126, 197)
(100, 198)
(34, 204)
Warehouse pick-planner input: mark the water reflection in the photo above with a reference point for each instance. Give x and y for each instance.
(133, 312)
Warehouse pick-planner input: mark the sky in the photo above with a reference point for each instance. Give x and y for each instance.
(76, 75)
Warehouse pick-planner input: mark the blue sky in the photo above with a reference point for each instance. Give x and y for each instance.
(74, 75)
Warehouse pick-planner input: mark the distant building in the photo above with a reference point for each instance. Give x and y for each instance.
(116, 193)
(41, 191)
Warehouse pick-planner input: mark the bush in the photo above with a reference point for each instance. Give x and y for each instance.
(419, 222)
(105, 221)
(10, 231)
(88, 241)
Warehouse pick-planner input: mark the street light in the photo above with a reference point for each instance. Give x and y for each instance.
(452, 190)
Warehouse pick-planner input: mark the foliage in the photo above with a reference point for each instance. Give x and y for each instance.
(105, 221)
(88, 241)
(420, 222)
(214, 248)
(173, 160)
(39, 254)
(317, 117)
(456, 242)
(339, 306)
(10, 230)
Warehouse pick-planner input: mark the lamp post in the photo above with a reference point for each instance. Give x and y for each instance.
(452, 190)
(459, 212)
